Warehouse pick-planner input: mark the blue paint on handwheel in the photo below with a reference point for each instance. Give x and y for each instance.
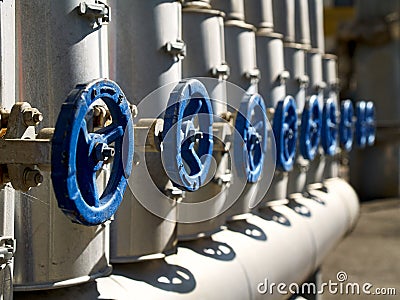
(329, 130)
(251, 142)
(346, 125)
(310, 129)
(285, 131)
(187, 135)
(78, 155)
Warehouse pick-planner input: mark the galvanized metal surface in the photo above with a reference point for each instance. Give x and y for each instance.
(7, 98)
(302, 23)
(142, 61)
(313, 225)
(145, 58)
(241, 56)
(259, 14)
(203, 32)
(315, 73)
(295, 63)
(270, 60)
(53, 251)
(233, 9)
(284, 19)
(316, 13)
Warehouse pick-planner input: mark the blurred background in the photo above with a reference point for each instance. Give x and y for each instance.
(365, 35)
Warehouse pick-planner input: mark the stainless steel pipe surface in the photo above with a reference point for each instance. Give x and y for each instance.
(284, 243)
(53, 251)
(270, 60)
(284, 18)
(147, 62)
(233, 9)
(203, 32)
(316, 14)
(7, 98)
(302, 23)
(259, 13)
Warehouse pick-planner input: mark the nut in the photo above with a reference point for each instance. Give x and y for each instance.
(134, 110)
(32, 116)
(32, 177)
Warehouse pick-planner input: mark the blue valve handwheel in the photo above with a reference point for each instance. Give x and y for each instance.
(310, 129)
(285, 131)
(329, 130)
(78, 155)
(346, 125)
(251, 145)
(187, 135)
(370, 122)
(361, 128)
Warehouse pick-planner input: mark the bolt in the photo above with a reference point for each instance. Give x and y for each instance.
(196, 137)
(254, 139)
(227, 116)
(104, 152)
(32, 116)
(32, 177)
(99, 111)
(134, 110)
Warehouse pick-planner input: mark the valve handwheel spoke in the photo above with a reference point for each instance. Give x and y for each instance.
(361, 128)
(310, 130)
(371, 122)
(187, 135)
(79, 155)
(346, 124)
(285, 131)
(251, 137)
(329, 128)
(111, 133)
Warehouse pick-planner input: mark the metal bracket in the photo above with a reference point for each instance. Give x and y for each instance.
(148, 135)
(303, 80)
(222, 133)
(177, 49)
(253, 75)
(98, 12)
(221, 72)
(319, 86)
(7, 249)
(283, 76)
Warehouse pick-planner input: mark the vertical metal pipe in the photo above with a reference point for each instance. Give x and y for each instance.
(295, 59)
(241, 56)
(233, 9)
(7, 98)
(315, 73)
(316, 12)
(144, 59)
(302, 28)
(259, 13)
(284, 18)
(330, 75)
(57, 49)
(203, 31)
